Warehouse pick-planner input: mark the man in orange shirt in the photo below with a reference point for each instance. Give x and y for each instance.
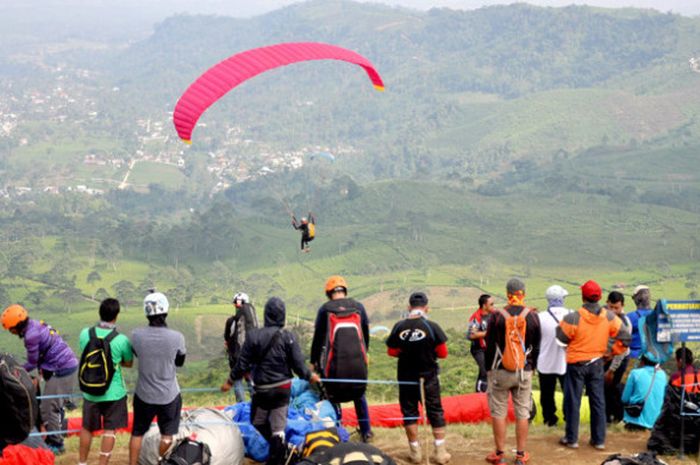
(585, 334)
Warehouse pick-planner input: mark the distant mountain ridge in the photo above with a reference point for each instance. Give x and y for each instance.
(460, 84)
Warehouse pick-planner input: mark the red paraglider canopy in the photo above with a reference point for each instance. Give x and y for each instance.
(221, 78)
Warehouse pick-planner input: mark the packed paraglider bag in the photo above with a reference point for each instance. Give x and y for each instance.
(665, 437)
(645, 458)
(348, 453)
(18, 404)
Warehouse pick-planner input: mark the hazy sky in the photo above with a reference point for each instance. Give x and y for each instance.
(248, 7)
(127, 20)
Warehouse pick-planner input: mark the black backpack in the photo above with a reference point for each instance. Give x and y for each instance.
(644, 458)
(189, 452)
(349, 453)
(345, 353)
(96, 365)
(18, 404)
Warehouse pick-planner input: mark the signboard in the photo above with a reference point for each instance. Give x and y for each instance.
(679, 321)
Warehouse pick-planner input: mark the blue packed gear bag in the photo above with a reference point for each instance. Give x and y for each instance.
(307, 413)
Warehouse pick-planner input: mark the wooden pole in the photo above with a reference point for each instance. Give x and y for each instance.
(425, 421)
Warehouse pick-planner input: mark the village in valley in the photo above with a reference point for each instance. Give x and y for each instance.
(75, 113)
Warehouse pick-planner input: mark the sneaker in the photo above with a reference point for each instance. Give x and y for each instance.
(495, 458)
(415, 455)
(521, 459)
(440, 454)
(571, 445)
(597, 446)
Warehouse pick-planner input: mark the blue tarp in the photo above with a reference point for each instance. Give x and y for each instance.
(307, 413)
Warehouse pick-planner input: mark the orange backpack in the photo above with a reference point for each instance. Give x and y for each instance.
(514, 355)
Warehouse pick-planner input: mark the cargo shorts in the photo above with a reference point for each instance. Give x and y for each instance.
(501, 384)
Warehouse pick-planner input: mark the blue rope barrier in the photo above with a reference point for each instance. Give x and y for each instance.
(216, 389)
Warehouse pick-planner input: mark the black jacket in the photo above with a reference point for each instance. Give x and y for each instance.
(271, 353)
(237, 326)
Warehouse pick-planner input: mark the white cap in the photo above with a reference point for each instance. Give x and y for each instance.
(155, 304)
(639, 288)
(556, 292)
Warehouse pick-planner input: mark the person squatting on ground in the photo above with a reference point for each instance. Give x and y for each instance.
(551, 363)
(271, 354)
(687, 374)
(55, 361)
(642, 299)
(512, 349)
(109, 411)
(307, 226)
(615, 365)
(418, 343)
(159, 350)
(340, 304)
(235, 331)
(585, 334)
(478, 323)
(645, 388)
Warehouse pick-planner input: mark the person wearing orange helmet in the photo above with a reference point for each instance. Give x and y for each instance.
(53, 358)
(338, 324)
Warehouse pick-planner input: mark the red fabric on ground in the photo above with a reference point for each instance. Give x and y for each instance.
(466, 408)
(23, 455)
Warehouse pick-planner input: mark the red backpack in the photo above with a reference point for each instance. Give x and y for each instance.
(345, 354)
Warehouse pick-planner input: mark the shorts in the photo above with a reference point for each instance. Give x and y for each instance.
(409, 397)
(109, 415)
(502, 383)
(168, 416)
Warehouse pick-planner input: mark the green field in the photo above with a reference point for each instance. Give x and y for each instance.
(146, 172)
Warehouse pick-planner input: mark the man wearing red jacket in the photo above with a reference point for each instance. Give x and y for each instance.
(418, 343)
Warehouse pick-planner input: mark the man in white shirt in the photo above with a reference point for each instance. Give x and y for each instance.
(551, 363)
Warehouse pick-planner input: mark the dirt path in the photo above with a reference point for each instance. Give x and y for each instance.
(466, 449)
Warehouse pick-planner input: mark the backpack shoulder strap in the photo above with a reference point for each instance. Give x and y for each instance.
(92, 333)
(551, 313)
(526, 311)
(110, 337)
(271, 344)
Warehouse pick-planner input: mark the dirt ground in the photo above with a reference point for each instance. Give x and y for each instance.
(467, 446)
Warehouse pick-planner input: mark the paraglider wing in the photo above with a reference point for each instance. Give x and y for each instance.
(327, 155)
(226, 75)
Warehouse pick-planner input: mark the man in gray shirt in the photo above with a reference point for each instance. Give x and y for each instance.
(159, 350)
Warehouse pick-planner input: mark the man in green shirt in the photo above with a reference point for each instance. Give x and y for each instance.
(109, 410)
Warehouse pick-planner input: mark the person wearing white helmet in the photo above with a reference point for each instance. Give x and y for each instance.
(237, 328)
(551, 363)
(159, 350)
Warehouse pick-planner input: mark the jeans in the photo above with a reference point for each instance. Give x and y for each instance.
(239, 390)
(362, 412)
(592, 377)
(548, 385)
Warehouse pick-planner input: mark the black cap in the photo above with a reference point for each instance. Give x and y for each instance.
(418, 299)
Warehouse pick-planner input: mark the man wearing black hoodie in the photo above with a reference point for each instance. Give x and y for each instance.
(270, 355)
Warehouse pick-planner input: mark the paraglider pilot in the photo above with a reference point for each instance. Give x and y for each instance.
(307, 226)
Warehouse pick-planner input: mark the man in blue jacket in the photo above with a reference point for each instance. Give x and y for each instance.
(270, 355)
